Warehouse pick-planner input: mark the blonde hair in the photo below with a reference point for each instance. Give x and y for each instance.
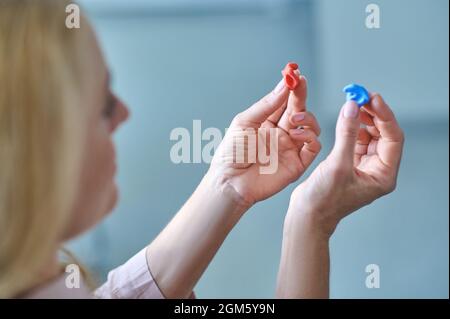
(40, 135)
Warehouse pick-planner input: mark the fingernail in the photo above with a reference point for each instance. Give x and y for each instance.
(279, 87)
(377, 100)
(298, 117)
(351, 110)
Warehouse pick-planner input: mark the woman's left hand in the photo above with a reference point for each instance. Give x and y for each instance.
(362, 166)
(274, 151)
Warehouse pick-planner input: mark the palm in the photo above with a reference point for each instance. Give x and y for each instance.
(372, 157)
(277, 154)
(248, 178)
(366, 157)
(371, 165)
(368, 173)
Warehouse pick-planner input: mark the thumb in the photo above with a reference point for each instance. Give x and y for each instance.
(347, 129)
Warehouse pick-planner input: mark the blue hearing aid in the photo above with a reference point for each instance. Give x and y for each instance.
(357, 93)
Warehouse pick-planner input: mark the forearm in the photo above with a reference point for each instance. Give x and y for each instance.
(182, 251)
(305, 261)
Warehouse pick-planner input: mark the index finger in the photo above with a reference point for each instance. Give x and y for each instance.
(261, 110)
(383, 118)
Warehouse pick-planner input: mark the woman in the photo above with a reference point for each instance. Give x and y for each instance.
(57, 118)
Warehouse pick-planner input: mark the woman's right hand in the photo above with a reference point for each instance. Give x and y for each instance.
(291, 148)
(362, 166)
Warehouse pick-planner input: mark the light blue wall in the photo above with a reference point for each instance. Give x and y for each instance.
(406, 58)
(174, 64)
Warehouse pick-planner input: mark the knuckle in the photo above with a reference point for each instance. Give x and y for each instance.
(350, 132)
(297, 171)
(319, 146)
(310, 115)
(401, 135)
(265, 102)
(387, 186)
(295, 195)
(239, 117)
(390, 187)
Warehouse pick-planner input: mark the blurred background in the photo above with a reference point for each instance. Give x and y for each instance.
(178, 61)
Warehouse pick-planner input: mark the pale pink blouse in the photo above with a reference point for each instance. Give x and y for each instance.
(132, 280)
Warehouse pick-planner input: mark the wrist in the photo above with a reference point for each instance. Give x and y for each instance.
(315, 222)
(215, 185)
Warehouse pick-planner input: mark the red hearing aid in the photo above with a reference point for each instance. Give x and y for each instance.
(290, 76)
